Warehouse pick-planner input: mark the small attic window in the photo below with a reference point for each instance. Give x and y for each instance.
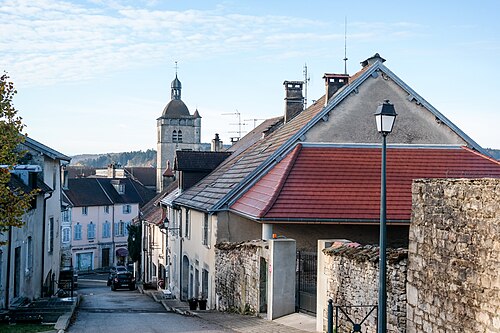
(119, 187)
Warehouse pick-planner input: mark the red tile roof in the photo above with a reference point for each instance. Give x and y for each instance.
(340, 184)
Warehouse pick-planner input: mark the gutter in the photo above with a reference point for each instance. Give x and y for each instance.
(43, 240)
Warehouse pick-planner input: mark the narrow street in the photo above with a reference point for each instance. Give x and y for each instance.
(124, 311)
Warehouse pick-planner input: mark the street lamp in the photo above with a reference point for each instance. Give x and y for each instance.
(385, 117)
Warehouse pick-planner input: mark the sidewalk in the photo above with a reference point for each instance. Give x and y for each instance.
(294, 323)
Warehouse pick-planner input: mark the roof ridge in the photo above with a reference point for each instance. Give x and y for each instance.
(281, 183)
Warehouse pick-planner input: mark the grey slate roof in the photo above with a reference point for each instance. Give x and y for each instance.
(100, 192)
(54, 154)
(198, 160)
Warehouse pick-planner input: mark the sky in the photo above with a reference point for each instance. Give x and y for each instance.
(93, 76)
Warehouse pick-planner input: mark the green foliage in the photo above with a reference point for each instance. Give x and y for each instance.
(134, 241)
(26, 328)
(126, 159)
(13, 201)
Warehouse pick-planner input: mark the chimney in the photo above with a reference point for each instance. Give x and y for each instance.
(333, 82)
(294, 100)
(216, 143)
(370, 61)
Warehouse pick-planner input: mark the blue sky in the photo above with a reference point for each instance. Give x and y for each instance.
(93, 76)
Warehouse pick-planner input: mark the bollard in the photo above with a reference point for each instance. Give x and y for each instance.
(330, 316)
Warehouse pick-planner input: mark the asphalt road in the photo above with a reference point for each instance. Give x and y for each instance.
(124, 311)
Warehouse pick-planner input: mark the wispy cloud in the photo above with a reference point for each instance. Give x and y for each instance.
(44, 41)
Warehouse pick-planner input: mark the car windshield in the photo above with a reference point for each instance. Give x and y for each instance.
(121, 269)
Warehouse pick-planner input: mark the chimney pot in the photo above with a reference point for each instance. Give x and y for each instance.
(370, 61)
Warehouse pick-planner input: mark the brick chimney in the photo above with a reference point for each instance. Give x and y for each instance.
(333, 82)
(294, 100)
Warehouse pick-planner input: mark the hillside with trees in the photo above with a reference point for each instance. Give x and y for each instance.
(125, 159)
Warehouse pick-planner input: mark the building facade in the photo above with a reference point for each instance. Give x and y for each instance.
(30, 261)
(100, 211)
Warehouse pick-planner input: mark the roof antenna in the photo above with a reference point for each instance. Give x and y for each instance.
(345, 46)
(306, 82)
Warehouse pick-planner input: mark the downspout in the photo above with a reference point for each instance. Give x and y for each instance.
(43, 240)
(9, 253)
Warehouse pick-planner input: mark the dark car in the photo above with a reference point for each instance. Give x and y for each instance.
(114, 270)
(123, 280)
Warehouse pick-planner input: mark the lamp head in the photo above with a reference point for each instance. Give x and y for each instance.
(385, 117)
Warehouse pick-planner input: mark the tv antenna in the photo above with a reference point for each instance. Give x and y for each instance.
(306, 83)
(345, 46)
(254, 121)
(238, 114)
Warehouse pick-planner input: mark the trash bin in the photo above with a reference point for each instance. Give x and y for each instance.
(193, 303)
(203, 304)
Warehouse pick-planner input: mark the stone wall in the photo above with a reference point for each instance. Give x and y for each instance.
(237, 267)
(352, 271)
(454, 256)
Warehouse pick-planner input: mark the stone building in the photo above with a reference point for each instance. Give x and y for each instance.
(177, 130)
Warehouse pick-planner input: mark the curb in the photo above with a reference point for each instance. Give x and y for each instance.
(63, 321)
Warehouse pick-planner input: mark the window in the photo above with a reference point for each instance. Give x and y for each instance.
(204, 284)
(188, 221)
(206, 233)
(78, 231)
(174, 136)
(29, 256)
(50, 243)
(91, 231)
(85, 210)
(106, 230)
(66, 233)
(120, 228)
(127, 209)
(106, 209)
(179, 136)
(66, 216)
(119, 187)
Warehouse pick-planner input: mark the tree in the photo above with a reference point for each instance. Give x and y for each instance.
(13, 201)
(134, 241)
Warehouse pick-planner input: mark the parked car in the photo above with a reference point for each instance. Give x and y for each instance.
(123, 280)
(114, 270)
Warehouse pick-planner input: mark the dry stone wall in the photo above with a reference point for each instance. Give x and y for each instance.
(352, 279)
(237, 267)
(454, 256)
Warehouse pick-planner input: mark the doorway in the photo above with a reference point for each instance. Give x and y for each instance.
(105, 257)
(184, 278)
(263, 286)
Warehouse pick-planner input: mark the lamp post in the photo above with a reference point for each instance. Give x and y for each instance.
(385, 117)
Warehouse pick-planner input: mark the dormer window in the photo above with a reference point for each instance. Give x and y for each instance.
(119, 187)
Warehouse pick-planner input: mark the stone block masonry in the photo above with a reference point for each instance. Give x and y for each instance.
(237, 267)
(352, 271)
(454, 256)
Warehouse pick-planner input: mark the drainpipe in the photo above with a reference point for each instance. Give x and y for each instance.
(9, 253)
(43, 239)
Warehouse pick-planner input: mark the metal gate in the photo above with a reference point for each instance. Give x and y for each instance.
(305, 268)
